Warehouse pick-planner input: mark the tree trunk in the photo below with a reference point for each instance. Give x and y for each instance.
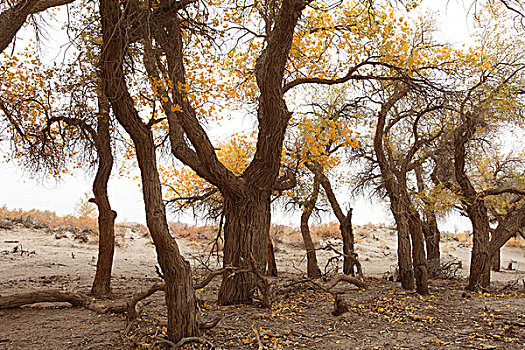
(180, 295)
(395, 184)
(418, 253)
(404, 248)
(480, 259)
(106, 216)
(496, 261)
(348, 244)
(474, 206)
(432, 239)
(312, 267)
(247, 223)
(345, 223)
(272, 265)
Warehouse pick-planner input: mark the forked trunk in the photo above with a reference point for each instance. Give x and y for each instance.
(106, 216)
(247, 224)
(179, 292)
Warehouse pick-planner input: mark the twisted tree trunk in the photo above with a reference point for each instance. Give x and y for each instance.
(312, 266)
(106, 216)
(180, 295)
(409, 225)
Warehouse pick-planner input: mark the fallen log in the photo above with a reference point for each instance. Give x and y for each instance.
(42, 296)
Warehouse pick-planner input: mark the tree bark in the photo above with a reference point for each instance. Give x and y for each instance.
(398, 208)
(430, 226)
(474, 206)
(106, 216)
(180, 295)
(495, 261)
(348, 244)
(418, 252)
(312, 267)
(272, 265)
(248, 223)
(404, 247)
(245, 233)
(432, 239)
(345, 222)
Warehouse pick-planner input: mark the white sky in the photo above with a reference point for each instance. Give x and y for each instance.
(18, 190)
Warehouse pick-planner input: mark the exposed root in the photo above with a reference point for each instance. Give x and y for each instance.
(184, 341)
(266, 288)
(345, 278)
(209, 325)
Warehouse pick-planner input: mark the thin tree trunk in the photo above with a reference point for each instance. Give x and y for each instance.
(245, 233)
(345, 222)
(312, 267)
(348, 244)
(430, 227)
(180, 295)
(106, 216)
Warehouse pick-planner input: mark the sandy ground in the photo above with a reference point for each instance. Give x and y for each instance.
(382, 317)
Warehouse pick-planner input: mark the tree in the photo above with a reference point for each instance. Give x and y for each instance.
(491, 99)
(51, 134)
(323, 135)
(289, 53)
(179, 291)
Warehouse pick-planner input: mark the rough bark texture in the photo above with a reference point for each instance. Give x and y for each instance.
(495, 261)
(400, 205)
(12, 19)
(345, 223)
(180, 295)
(512, 224)
(430, 226)
(418, 252)
(246, 224)
(42, 296)
(404, 247)
(106, 216)
(474, 205)
(245, 232)
(272, 265)
(312, 266)
(432, 239)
